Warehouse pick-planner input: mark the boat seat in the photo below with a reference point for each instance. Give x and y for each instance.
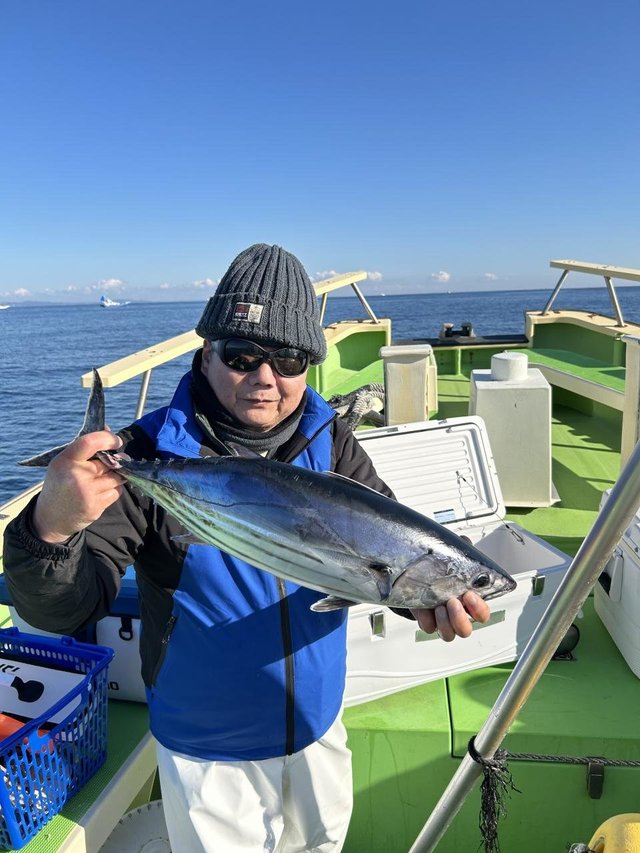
(581, 374)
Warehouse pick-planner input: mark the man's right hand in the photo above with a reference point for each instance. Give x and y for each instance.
(77, 488)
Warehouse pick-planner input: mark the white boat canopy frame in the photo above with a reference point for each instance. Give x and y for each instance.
(607, 272)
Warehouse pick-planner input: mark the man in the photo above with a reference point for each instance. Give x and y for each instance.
(244, 682)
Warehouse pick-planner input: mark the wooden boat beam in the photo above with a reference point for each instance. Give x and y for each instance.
(606, 271)
(323, 288)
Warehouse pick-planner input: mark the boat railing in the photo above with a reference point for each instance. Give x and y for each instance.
(324, 288)
(607, 272)
(143, 362)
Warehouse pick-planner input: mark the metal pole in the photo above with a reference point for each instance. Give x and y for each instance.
(614, 300)
(142, 397)
(323, 307)
(364, 302)
(582, 574)
(556, 290)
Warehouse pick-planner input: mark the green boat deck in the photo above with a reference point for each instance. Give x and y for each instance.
(407, 746)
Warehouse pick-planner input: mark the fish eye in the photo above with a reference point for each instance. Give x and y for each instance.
(481, 581)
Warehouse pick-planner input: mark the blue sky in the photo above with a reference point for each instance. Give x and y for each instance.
(456, 145)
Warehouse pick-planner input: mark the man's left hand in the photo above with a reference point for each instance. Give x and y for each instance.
(453, 619)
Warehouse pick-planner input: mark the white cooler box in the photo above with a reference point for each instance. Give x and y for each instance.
(120, 631)
(445, 470)
(616, 596)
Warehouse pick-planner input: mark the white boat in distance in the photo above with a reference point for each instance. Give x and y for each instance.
(106, 302)
(2, 307)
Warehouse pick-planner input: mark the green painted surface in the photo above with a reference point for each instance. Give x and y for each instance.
(401, 748)
(349, 363)
(574, 338)
(568, 689)
(356, 379)
(407, 747)
(582, 366)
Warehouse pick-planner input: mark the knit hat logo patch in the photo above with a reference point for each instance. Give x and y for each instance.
(248, 311)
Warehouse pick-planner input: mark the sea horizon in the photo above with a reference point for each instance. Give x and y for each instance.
(47, 348)
(348, 293)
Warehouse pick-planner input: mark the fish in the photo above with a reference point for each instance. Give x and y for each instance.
(317, 529)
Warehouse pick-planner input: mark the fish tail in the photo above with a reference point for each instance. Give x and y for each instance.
(94, 421)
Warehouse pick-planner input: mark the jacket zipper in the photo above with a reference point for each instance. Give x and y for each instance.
(285, 625)
(164, 645)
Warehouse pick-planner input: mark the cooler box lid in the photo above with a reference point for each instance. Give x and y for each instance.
(443, 469)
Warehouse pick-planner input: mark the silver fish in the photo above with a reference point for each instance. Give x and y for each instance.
(319, 530)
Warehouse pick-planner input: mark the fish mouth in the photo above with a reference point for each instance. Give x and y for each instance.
(509, 586)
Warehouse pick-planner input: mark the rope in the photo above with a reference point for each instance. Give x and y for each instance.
(570, 759)
(497, 784)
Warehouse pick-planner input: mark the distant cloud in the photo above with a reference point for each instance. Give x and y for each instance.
(108, 284)
(206, 282)
(71, 288)
(320, 276)
(165, 286)
(443, 276)
(21, 291)
(491, 276)
(374, 276)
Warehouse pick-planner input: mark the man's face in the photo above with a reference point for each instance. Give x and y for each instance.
(260, 399)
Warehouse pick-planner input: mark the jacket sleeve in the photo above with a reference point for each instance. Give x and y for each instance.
(63, 588)
(351, 460)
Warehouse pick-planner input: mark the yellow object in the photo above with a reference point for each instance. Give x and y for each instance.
(619, 834)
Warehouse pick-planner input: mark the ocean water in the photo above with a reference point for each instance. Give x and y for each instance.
(45, 350)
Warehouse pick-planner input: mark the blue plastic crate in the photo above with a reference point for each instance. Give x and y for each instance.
(39, 772)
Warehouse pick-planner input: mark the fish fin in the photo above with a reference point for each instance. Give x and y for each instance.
(94, 418)
(383, 579)
(331, 602)
(93, 422)
(43, 459)
(188, 539)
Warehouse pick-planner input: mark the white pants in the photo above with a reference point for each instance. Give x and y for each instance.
(299, 803)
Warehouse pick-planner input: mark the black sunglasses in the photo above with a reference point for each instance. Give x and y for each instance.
(247, 356)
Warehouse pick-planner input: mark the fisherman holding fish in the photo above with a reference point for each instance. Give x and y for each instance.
(244, 681)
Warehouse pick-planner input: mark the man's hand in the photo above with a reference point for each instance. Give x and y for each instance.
(452, 620)
(77, 489)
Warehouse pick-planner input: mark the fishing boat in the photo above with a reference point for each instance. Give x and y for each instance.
(107, 302)
(517, 441)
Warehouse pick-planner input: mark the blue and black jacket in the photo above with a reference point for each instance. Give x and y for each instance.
(236, 665)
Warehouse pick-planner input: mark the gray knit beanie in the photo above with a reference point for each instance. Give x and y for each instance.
(267, 296)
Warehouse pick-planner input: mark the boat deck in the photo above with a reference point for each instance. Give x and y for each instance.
(407, 746)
